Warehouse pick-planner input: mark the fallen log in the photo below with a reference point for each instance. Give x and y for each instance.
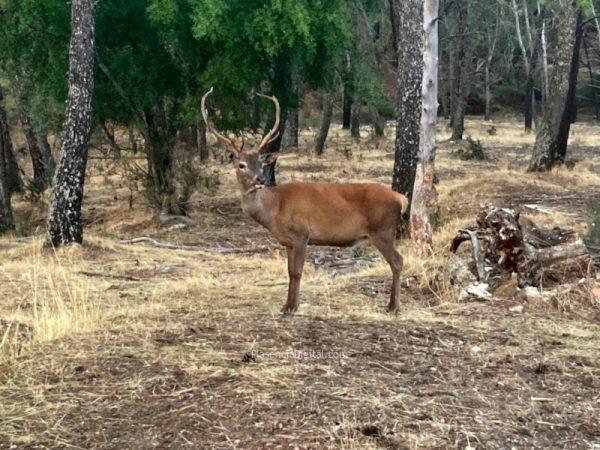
(502, 244)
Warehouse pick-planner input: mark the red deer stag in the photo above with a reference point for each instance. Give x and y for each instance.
(298, 214)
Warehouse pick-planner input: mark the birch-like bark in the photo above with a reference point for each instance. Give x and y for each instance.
(65, 224)
(544, 44)
(424, 192)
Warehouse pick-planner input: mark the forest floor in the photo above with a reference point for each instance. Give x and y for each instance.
(119, 346)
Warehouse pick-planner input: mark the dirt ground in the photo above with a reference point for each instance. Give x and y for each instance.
(131, 346)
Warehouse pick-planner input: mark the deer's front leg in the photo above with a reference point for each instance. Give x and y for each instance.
(296, 255)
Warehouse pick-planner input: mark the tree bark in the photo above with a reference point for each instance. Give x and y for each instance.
(377, 121)
(42, 165)
(408, 100)
(355, 116)
(159, 150)
(347, 107)
(65, 223)
(535, 50)
(321, 136)
(12, 173)
(290, 138)
(460, 72)
(6, 216)
(551, 140)
(202, 144)
(424, 191)
(282, 86)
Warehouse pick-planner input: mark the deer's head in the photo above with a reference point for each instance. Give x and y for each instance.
(248, 162)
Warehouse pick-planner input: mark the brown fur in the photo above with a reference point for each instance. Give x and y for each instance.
(298, 214)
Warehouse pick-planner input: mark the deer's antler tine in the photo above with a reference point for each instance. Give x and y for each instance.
(271, 135)
(211, 127)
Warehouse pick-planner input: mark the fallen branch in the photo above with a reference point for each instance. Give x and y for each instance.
(220, 250)
(108, 275)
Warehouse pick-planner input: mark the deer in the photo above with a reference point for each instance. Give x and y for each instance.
(323, 214)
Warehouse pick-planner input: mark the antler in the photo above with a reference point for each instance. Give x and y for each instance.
(271, 135)
(212, 129)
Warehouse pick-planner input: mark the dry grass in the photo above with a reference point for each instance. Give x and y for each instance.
(131, 346)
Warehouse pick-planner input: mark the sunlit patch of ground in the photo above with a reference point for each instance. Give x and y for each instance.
(131, 346)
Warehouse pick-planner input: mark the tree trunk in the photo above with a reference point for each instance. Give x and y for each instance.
(132, 139)
(6, 217)
(408, 100)
(347, 107)
(424, 192)
(290, 138)
(544, 45)
(595, 99)
(65, 223)
(160, 185)
(551, 140)
(530, 94)
(488, 93)
(325, 124)
(282, 86)
(202, 144)
(12, 173)
(355, 125)
(377, 121)
(42, 167)
(460, 72)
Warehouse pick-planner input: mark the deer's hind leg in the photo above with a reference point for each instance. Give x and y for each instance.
(385, 244)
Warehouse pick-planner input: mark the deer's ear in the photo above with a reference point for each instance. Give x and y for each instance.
(268, 158)
(231, 156)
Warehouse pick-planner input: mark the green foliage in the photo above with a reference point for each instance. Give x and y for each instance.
(474, 150)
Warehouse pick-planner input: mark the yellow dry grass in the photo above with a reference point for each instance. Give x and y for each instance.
(116, 332)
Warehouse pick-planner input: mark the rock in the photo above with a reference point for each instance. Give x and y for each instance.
(532, 292)
(477, 290)
(516, 309)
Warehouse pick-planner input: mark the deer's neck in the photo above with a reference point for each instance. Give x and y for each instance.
(258, 204)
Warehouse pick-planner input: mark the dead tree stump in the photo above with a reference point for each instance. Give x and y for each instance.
(501, 243)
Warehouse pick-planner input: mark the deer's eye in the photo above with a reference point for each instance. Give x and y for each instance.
(242, 165)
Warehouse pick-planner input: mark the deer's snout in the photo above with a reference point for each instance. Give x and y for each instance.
(259, 179)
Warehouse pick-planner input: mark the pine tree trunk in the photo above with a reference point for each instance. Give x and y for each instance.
(408, 99)
(551, 140)
(12, 174)
(355, 125)
(65, 224)
(424, 192)
(377, 121)
(321, 137)
(290, 139)
(460, 72)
